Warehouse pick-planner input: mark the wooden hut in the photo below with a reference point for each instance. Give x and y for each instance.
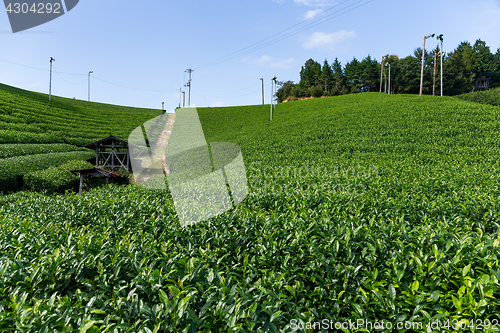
(482, 84)
(111, 152)
(96, 172)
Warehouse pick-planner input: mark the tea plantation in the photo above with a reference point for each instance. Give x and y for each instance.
(362, 208)
(36, 135)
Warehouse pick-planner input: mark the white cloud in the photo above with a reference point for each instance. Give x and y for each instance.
(315, 3)
(313, 13)
(262, 61)
(283, 63)
(267, 61)
(217, 104)
(279, 1)
(321, 39)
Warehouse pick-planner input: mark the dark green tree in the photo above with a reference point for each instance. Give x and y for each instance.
(495, 77)
(459, 69)
(310, 74)
(352, 73)
(326, 77)
(370, 74)
(484, 62)
(407, 75)
(284, 91)
(339, 81)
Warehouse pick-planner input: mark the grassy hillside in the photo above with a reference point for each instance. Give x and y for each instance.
(28, 117)
(491, 96)
(360, 207)
(36, 135)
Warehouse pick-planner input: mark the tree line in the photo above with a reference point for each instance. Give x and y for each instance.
(461, 68)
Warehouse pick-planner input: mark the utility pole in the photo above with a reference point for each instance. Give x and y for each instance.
(273, 84)
(422, 70)
(262, 90)
(50, 80)
(440, 37)
(434, 76)
(183, 99)
(189, 71)
(385, 85)
(389, 89)
(163, 106)
(89, 83)
(180, 97)
(382, 70)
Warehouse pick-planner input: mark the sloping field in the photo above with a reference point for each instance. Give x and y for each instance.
(36, 135)
(28, 117)
(361, 208)
(490, 96)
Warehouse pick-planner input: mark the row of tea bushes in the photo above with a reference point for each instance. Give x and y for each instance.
(14, 150)
(55, 179)
(13, 169)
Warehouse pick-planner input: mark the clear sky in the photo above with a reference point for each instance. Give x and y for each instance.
(139, 50)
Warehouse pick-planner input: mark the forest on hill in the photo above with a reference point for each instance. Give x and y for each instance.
(461, 69)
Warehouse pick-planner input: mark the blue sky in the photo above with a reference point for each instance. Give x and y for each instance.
(139, 50)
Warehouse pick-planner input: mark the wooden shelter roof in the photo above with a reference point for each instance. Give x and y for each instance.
(105, 140)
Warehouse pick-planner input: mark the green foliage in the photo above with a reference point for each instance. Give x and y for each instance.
(461, 68)
(284, 91)
(491, 96)
(310, 74)
(315, 91)
(362, 206)
(55, 179)
(13, 150)
(12, 169)
(461, 62)
(28, 117)
(326, 77)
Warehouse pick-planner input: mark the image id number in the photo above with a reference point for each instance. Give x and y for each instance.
(36, 8)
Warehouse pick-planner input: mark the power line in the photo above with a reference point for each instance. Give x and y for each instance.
(270, 40)
(75, 84)
(127, 87)
(265, 39)
(79, 74)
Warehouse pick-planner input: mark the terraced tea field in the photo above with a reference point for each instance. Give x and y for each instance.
(36, 135)
(361, 207)
(28, 117)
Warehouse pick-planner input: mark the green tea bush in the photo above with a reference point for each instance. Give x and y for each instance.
(27, 117)
(9, 136)
(55, 179)
(13, 150)
(12, 169)
(361, 207)
(490, 96)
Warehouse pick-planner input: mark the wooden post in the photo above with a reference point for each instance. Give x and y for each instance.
(81, 184)
(128, 159)
(96, 156)
(112, 155)
(434, 80)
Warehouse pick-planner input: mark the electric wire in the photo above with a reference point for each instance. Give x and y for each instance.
(250, 49)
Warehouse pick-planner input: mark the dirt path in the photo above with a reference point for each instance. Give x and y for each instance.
(159, 154)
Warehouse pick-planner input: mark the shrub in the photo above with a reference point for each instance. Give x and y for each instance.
(316, 91)
(12, 169)
(298, 91)
(491, 96)
(13, 150)
(55, 179)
